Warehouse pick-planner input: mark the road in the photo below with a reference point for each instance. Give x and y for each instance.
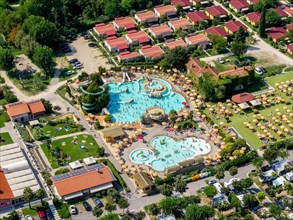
(265, 53)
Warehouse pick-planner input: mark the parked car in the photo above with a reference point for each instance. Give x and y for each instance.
(255, 209)
(263, 69)
(28, 217)
(254, 191)
(221, 61)
(211, 182)
(42, 215)
(70, 72)
(73, 210)
(267, 204)
(236, 62)
(72, 61)
(258, 71)
(98, 202)
(280, 204)
(87, 206)
(78, 66)
(92, 44)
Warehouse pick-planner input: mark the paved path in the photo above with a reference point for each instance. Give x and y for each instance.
(69, 135)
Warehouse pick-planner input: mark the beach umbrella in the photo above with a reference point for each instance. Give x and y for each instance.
(184, 103)
(286, 130)
(126, 170)
(164, 123)
(124, 166)
(231, 158)
(125, 140)
(116, 150)
(176, 126)
(155, 174)
(121, 162)
(277, 110)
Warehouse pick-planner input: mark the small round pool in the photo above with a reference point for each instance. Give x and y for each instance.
(141, 155)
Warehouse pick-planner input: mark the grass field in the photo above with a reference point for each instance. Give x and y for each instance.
(7, 138)
(58, 130)
(237, 120)
(3, 118)
(72, 149)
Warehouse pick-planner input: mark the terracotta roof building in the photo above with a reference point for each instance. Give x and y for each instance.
(290, 49)
(216, 11)
(6, 194)
(143, 182)
(242, 97)
(151, 52)
(161, 31)
(103, 29)
(253, 18)
(194, 66)
(288, 10)
(216, 31)
(124, 23)
(24, 111)
(128, 56)
(281, 12)
(199, 39)
(116, 44)
(233, 26)
(168, 10)
(111, 133)
(238, 72)
(277, 33)
(146, 17)
(181, 23)
(83, 181)
(136, 38)
(239, 6)
(175, 43)
(185, 4)
(251, 2)
(289, 27)
(197, 16)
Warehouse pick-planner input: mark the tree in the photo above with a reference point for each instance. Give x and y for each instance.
(265, 4)
(40, 193)
(272, 153)
(238, 49)
(110, 207)
(140, 215)
(110, 216)
(166, 190)
(28, 195)
(169, 205)
(257, 163)
(43, 58)
(262, 23)
(241, 35)
(196, 212)
(6, 59)
(48, 106)
(180, 184)
(123, 204)
(100, 151)
(154, 209)
(219, 43)
(260, 196)
(275, 211)
(235, 202)
(206, 85)
(250, 201)
(210, 191)
(97, 211)
(220, 174)
(273, 19)
(172, 116)
(247, 183)
(233, 171)
(175, 58)
(290, 35)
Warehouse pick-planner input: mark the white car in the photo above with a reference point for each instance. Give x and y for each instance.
(28, 217)
(72, 210)
(78, 66)
(70, 72)
(258, 71)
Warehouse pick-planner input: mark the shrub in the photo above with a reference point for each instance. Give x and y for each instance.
(108, 118)
(62, 170)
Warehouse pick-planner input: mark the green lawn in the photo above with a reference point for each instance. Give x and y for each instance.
(72, 149)
(3, 118)
(58, 130)
(33, 211)
(7, 138)
(237, 120)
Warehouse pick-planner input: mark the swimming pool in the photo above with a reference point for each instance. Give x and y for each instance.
(169, 152)
(129, 100)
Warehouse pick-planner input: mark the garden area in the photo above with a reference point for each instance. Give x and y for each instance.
(268, 123)
(3, 118)
(5, 139)
(54, 128)
(62, 151)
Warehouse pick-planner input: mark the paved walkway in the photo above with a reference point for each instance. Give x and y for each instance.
(69, 135)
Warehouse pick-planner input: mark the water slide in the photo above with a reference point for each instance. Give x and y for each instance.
(129, 80)
(123, 79)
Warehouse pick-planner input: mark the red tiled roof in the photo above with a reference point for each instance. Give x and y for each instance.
(161, 29)
(216, 10)
(145, 15)
(242, 97)
(122, 46)
(217, 31)
(5, 190)
(165, 9)
(239, 4)
(277, 32)
(17, 108)
(234, 26)
(197, 39)
(182, 3)
(125, 22)
(195, 67)
(239, 72)
(144, 40)
(137, 36)
(36, 106)
(110, 33)
(253, 16)
(280, 11)
(128, 55)
(105, 28)
(117, 42)
(197, 16)
(83, 181)
(152, 52)
(288, 10)
(254, 1)
(289, 27)
(175, 43)
(290, 47)
(180, 23)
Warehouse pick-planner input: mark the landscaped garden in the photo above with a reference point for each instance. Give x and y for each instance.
(267, 123)
(65, 150)
(3, 118)
(5, 139)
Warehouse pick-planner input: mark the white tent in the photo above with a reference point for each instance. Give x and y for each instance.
(75, 165)
(89, 160)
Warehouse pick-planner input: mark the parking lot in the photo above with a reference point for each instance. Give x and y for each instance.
(90, 57)
(82, 213)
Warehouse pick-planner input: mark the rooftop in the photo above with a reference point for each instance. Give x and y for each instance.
(125, 22)
(103, 29)
(239, 4)
(253, 16)
(239, 72)
(165, 9)
(143, 180)
(216, 31)
(234, 26)
(277, 32)
(290, 47)
(117, 42)
(195, 67)
(242, 97)
(137, 36)
(198, 39)
(175, 43)
(216, 11)
(145, 15)
(280, 11)
(288, 10)
(158, 30)
(114, 131)
(36, 106)
(182, 23)
(128, 56)
(182, 3)
(152, 52)
(17, 108)
(197, 16)
(5, 191)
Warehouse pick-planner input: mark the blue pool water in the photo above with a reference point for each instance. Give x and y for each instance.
(129, 100)
(169, 152)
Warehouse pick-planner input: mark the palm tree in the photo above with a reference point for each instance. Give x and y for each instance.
(180, 184)
(123, 204)
(166, 190)
(13, 215)
(28, 195)
(40, 193)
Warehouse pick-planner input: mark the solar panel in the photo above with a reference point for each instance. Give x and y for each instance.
(62, 176)
(95, 166)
